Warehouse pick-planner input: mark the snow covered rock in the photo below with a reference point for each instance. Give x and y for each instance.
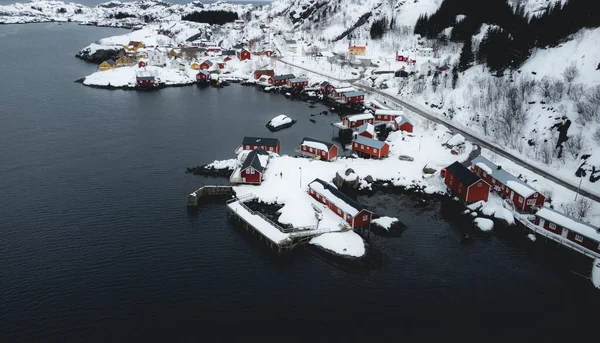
(346, 243)
(280, 122)
(506, 215)
(385, 222)
(531, 237)
(457, 139)
(484, 224)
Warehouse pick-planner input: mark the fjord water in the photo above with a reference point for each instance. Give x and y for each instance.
(96, 243)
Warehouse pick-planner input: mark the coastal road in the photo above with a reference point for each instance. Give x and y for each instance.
(469, 135)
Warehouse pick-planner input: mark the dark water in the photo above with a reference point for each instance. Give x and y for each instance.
(96, 244)
(97, 2)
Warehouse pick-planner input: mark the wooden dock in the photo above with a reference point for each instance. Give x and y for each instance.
(208, 192)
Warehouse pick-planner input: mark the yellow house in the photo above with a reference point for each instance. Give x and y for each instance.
(107, 65)
(134, 46)
(357, 49)
(124, 61)
(174, 53)
(195, 66)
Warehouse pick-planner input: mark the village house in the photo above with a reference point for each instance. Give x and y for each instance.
(323, 86)
(261, 72)
(292, 46)
(575, 231)
(178, 64)
(338, 92)
(221, 65)
(157, 57)
(142, 64)
(279, 80)
(425, 52)
(403, 124)
(124, 61)
(369, 147)
(524, 197)
(251, 171)
(386, 116)
(145, 81)
(357, 120)
(427, 67)
(227, 59)
(357, 49)
(207, 64)
(174, 52)
(107, 65)
(195, 65)
(353, 96)
(353, 213)
(299, 82)
(134, 46)
(203, 76)
(243, 55)
(318, 149)
(267, 144)
(466, 185)
(366, 130)
(401, 73)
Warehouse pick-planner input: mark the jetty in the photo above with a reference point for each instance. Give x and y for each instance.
(208, 192)
(278, 238)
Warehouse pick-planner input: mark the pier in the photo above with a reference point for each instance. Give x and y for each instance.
(277, 238)
(210, 192)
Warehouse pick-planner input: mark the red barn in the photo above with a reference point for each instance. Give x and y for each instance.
(227, 59)
(145, 81)
(366, 130)
(357, 120)
(243, 55)
(463, 183)
(141, 64)
(203, 76)
(345, 207)
(383, 115)
(318, 149)
(254, 166)
(261, 72)
(353, 96)
(403, 124)
(369, 147)
(523, 196)
(206, 65)
(267, 144)
(575, 231)
(280, 80)
(298, 82)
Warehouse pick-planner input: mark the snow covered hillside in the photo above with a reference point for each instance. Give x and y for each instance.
(113, 13)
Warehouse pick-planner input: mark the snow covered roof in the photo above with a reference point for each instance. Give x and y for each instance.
(344, 89)
(255, 161)
(401, 119)
(506, 178)
(367, 127)
(570, 223)
(110, 62)
(317, 144)
(283, 77)
(209, 62)
(463, 173)
(298, 80)
(389, 112)
(337, 197)
(290, 41)
(374, 143)
(354, 93)
(204, 72)
(260, 141)
(363, 116)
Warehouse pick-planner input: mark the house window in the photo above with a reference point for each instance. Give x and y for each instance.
(502, 187)
(535, 195)
(323, 153)
(251, 171)
(310, 149)
(531, 202)
(247, 147)
(365, 217)
(484, 174)
(552, 226)
(521, 200)
(362, 146)
(579, 238)
(339, 211)
(479, 184)
(374, 150)
(312, 192)
(450, 176)
(355, 145)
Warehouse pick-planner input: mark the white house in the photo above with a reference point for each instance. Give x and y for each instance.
(292, 45)
(425, 52)
(157, 57)
(177, 63)
(426, 67)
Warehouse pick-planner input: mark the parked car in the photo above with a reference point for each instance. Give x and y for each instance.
(405, 158)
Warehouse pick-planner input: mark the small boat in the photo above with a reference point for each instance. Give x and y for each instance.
(312, 106)
(312, 121)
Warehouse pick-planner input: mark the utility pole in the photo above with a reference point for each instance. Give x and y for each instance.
(300, 168)
(578, 188)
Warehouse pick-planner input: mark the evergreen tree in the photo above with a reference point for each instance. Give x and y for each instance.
(466, 56)
(454, 76)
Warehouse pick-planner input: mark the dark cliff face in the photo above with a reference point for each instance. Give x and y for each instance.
(99, 56)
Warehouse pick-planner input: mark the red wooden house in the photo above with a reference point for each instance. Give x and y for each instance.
(401, 57)
(523, 196)
(463, 183)
(215, 49)
(145, 81)
(227, 59)
(345, 207)
(267, 144)
(353, 96)
(369, 147)
(339, 91)
(221, 65)
(366, 130)
(318, 149)
(206, 65)
(142, 64)
(254, 166)
(298, 82)
(383, 115)
(324, 87)
(402, 123)
(243, 55)
(280, 80)
(261, 72)
(575, 231)
(357, 120)
(203, 76)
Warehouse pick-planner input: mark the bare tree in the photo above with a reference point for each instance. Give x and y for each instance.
(546, 153)
(574, 144)
(576, 92)
(570, 73)
(579, 209)
(588, 112)
(419, 86)
(545, 87)
(596, 136)
(557, 90)
(593, 95)
(526, 86)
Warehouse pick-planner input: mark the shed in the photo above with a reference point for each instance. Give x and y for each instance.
(352, 212)
(385, 115)
(107, 65)
(298, 82)
(357, 120)
(353, 96)
(260, 72)
(369, 147)
(403, 124)
(279, 80)
(576, 231)
(319, 149)
(254, 166)
(243, 55)
(366, 130)
(203, 76)
(267, 144)
(466, 185)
